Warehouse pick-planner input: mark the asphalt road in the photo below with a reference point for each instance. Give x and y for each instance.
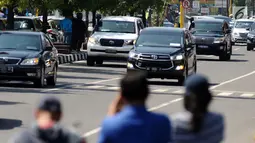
(87, 91)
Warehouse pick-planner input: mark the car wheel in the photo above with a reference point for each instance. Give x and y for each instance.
(225, 56)
(51, 81)
(99, 62)
(233, 43)
(40, 82)
(90, 61)
(249, 47)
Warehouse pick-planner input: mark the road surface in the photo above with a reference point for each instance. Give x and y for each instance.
(87, 91)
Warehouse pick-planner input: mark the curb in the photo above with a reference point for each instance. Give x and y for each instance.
(69, 58)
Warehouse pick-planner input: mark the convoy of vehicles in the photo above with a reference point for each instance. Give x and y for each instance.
(164, 53)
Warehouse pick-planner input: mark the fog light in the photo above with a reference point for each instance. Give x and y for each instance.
(129, 65)
(31, 74)
(181, 67)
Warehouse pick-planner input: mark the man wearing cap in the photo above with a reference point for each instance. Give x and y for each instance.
(129, 120)
(47, 128)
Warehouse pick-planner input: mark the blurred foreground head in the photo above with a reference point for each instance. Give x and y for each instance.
(49, 112)
(134, 87)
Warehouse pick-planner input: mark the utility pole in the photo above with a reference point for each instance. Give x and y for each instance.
(181, 17)
(230, 7)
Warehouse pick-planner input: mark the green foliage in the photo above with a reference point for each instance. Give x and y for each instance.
(239, 2)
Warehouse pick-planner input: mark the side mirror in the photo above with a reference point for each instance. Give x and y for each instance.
(48, 48)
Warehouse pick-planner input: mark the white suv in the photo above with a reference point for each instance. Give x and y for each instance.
(113, 38)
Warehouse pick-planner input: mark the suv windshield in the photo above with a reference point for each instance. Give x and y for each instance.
(117, 26)
(22, 42)
(243, 24)
(212, 27)
(159, 40)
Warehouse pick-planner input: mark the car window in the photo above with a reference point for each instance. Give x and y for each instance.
(23, 24)
(117, 26)
(159, 40)
(22, 42)
(243, 24)
(208, 27)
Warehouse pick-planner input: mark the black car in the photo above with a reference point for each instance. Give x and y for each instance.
(213, 37)
(251, 37)
(163, 52)
(28, 56)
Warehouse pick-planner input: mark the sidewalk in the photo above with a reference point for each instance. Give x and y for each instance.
(69, 58)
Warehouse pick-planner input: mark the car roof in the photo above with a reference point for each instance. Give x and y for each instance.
(121, 18)
(22, 33)
(163, 30)
(26, 17)
(210, 20)
(249, 20)
(203, 17)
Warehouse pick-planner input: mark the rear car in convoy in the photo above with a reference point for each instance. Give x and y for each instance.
(28, 56)
(25, 23)
(251, 37)
(113, 38)
(164, 52)
(212, 37)
(240, 30)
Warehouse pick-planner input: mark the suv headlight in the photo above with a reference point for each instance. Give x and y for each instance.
(129, 42)
(93, 40)
(32, 61)
(132, 54)
(235, 34)
(218, 40)
(178, 57)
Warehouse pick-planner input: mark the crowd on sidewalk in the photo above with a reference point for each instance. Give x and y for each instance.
(129, 121)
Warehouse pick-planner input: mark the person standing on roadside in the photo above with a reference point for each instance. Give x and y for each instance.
(129, 120)
(66, 27)
(197, 124)
(79, 30)
(47, 128)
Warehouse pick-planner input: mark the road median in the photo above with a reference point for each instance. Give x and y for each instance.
(69, 58)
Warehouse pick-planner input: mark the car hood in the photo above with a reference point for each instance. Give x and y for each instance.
(240, 30)
(112, 35)
(200, 35)
(158, 50)
(18, 54)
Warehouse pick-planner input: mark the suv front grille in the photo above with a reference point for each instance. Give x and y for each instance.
(9, 61)
(112, 42)
(244, 35)
(162, 62)
(204, 40)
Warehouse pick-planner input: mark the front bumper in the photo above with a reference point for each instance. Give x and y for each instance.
(210, 49)
(176, 72)
(238, 39)
(106, 52)
(20, 73)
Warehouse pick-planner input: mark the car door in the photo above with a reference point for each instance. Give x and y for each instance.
(190, 50)
(49, 55)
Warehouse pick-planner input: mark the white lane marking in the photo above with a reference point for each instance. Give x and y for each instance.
(178, 92)
(225, 94)
(236, 49)
(232, 80)
(160, 90)
(94, 86)
(113, 88)
(96, 130)
(234, 91)
(247, 95)
(95, 82)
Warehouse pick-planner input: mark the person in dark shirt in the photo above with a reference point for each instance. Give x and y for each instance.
(47, 128)
(79, 32)
(197, 124)
(129, 120)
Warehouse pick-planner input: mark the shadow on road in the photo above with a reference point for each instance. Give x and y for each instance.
(78, 77)
(91, 71)
(8, 124)
(9, 103)
(238, 54)
(112, 66)
(217, 60)
(164, 83)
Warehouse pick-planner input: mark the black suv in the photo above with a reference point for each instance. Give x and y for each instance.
(164, 52)
(251, 37)
(212, 37)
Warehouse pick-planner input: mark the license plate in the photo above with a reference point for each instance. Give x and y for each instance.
(202, 46)
(4, 69)
(110, 51)
(154, 69)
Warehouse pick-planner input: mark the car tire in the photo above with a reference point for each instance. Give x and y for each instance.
(52, 80)
(225, 56)
(233, 43)
(40, 82)
(90, 61)
(249, 47)
(99, 62)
